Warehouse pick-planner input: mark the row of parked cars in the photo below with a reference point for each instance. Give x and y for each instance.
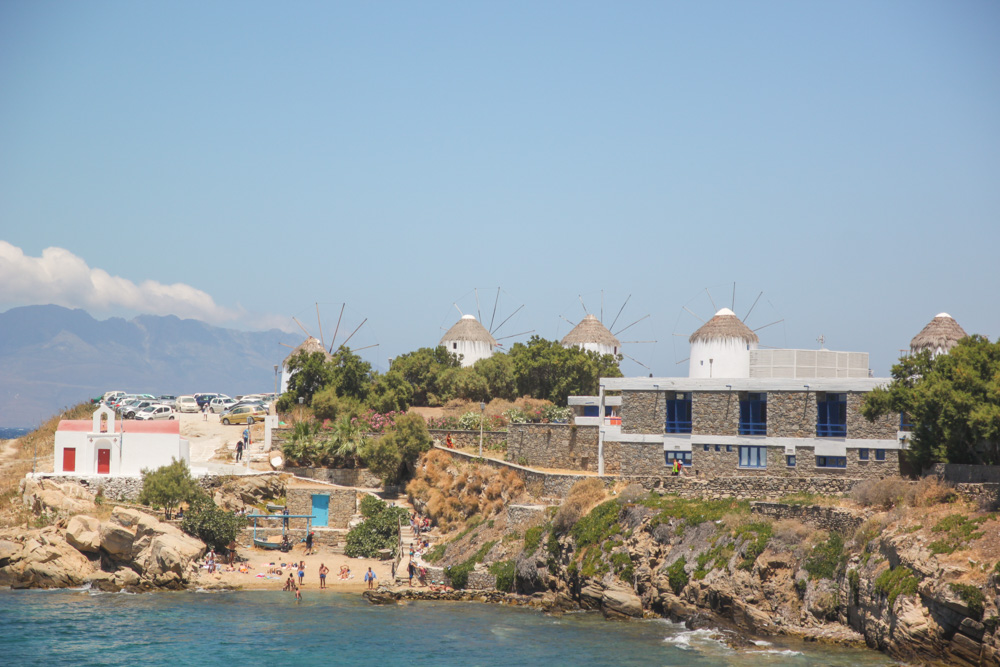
(244, 410)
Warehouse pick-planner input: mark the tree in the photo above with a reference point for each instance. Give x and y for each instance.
(498, 373)
(211, 524)
(393, 455)
(326, 404)
(422, 369)
(309, 372)
(168, 486)
(390, 393)
(953, 401)
(379, 530)
(546, 369)
(351, 374)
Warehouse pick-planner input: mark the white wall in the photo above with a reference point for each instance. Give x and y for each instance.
(730, 358)
(470, 351)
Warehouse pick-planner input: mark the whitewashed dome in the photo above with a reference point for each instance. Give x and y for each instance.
(720, 348)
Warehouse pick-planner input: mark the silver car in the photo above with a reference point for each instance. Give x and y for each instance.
(156, 412)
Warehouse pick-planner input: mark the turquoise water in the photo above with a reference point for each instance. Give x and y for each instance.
(269, 628)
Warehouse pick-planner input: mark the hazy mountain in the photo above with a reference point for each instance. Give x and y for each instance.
(51, 357)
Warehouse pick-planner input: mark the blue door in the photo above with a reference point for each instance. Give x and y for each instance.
(321, 510)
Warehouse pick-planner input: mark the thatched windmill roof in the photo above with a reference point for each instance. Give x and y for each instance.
(468, 328)
(724, 324)
(941, 333)
(309, 345)
(590, 330)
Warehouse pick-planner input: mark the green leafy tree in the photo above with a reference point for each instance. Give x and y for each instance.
(464, 383)
(379, 530)
(953, 401)
(309, 373)
(168, 486)
(545, 369)
(393, 455)
(390, 393)
(423, 369)
(498, 373)
(327, 404)
(211, 524)
(352, 375)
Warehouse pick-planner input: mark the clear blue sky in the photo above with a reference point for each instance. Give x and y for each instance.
(257, 157)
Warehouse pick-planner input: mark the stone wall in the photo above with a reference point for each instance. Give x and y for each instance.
(327, 537)
(470, 439)
(343, 505)
(526, 515)
(791, 414)
(718, 462)
(634, 458)
(961, 473)
(643, 411)
(885, 427)
(829, 518)
(565, 446)
(361, 477)
(715, 413)
(127, 489)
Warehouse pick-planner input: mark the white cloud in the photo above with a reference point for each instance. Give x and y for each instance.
(62, 278)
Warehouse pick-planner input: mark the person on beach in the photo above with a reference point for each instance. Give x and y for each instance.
(323, 570)
(246, 436)
(289, 583)
(410, 570)
(309, 543)
(302, 571)
(239, 450)
(298, 594)
(370, 578)
(345, 571)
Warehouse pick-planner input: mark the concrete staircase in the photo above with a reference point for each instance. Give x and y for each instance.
(408, 536)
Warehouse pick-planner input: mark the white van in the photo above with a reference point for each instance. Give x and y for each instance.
(187, 404)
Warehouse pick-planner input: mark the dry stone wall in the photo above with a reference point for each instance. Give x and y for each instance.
(564, 446)
(715, 413)
(634, 458)
(361, 477)
(643, 411)
(828, 518)
(885, 427)
(791, 414)
(343, 505)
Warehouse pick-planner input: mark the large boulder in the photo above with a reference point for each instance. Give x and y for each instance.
(44, 496)
(619, 600)
(172, 554)
(125, 517)
(45, 560)
(116, 540)
(84, 533)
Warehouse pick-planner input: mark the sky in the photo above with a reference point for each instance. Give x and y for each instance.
(240, 162)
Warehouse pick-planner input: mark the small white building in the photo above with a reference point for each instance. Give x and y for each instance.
(721, 348)
(590, 334)
(939, 336)
(103, 446)
(469, 340)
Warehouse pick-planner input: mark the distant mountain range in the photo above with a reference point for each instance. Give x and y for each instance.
(52, 357)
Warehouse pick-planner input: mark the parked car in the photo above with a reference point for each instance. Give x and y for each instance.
(221, 404)
(167, 399)
(110, 397)
(156, 412)
(132, 409)
(186, 404)
(205, 399)
(243, 414)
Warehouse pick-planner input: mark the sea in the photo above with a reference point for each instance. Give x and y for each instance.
(11, 432)
(240, 629)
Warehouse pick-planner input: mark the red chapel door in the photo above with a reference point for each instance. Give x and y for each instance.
(69, 459)
(103, 461)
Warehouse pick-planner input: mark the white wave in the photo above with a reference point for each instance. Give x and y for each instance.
(775, 651)
(759, 642)
(705, 637)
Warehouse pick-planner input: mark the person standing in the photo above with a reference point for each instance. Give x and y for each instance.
(302, 571)
(246, 436)
(239, 450)
(309, 543)
(410, 570)
(370, 578)
(323, 570)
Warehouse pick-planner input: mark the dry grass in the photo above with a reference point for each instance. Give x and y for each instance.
(457, 407)
(455, 491)
(583, 497)
(791, 533)
(882, 493)
(930, 491)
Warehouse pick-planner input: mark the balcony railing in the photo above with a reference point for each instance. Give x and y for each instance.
(753, 428)
(674, 426)
(831, 430)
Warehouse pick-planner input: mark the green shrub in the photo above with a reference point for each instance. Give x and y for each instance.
(800, 587)
(593, 564)
(972, 597)
(600, 524)
(826, 558)
(552, 546)
(676, 575)
(757, 536)
(458, 575)
(532, 538)
(959, 531)
(893, 583)
(623, 566)
(693, 512)
(211, 524)
(504, 573)
(380, 530)
(854, 579)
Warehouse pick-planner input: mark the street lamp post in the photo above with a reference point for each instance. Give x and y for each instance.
(274, 403)
(482, 418)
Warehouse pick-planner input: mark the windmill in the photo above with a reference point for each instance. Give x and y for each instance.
(717, 340)
(591, 333)
(313, 344)
(470, 339)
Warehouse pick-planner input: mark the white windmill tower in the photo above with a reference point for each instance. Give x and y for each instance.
(470, 340)
(312, 344)
(591, 334)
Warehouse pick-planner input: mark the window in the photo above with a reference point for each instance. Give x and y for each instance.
(831, 418)
(683, 457)
(454, 346)
(790, 460)
(753, 415)
(863, 454)
(905, 424)
(679, 414)
(880, 455)
(591, 411)
(753, 457)
(706, 447)
(729, 448)
(831, 461)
